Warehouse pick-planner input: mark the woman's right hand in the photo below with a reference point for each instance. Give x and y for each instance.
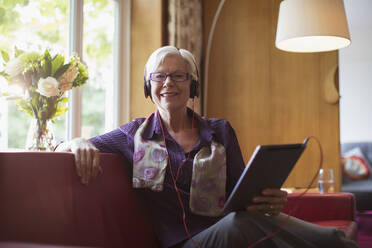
(86, 158)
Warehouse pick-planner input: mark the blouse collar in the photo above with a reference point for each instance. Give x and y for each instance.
(154, 128)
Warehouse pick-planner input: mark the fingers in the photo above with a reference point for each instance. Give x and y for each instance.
(78, 162)
(86, 160)
(96, 168)
(83, 165)
(272, 196)
(272, 209)
(89, 165)
(272, 201)
(275, 192)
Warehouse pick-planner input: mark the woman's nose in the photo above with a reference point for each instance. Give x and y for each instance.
(168, 81)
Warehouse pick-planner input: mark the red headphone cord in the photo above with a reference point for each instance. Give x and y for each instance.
(174, 179)
(188, 155)
(281, 227)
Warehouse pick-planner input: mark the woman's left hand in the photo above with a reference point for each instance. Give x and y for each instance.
(272, 201)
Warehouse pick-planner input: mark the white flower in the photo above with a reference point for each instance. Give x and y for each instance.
(48, 87)
(14, 67)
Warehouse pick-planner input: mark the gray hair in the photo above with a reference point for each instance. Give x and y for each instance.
(157, 57)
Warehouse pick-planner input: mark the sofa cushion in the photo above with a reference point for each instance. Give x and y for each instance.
(355, 165)
(362, 189)
(365, 147)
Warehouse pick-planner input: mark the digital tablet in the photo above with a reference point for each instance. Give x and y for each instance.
(268, 167)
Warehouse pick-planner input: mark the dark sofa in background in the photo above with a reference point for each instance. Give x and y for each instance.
(43, 204)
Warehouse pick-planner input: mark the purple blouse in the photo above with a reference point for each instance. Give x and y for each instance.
(165, 209)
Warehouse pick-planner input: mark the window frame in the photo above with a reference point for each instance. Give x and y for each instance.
(119, 103)
(121, 91)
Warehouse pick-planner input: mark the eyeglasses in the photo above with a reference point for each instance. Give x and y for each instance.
(175, 76)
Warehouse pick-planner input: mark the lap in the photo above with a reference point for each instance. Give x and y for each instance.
(240, 229)
(227, 233)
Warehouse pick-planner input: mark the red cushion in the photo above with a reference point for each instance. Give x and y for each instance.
(331, 210)
(350, 228)
(319, 207)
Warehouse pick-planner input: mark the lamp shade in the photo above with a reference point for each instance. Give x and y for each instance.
(312, 26)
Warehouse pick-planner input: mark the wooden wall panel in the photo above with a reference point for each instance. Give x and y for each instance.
(268, 95)
(146, 37)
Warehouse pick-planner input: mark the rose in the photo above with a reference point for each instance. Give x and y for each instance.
(48, 87)
(14, 67)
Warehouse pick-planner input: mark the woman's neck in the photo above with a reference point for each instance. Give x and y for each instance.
(175, 121)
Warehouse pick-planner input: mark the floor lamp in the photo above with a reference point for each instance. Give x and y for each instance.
(312, 26)
(303, 26)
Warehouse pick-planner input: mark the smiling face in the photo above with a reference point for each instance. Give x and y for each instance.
(169, 95)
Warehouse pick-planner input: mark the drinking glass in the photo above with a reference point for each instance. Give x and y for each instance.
(326, 183)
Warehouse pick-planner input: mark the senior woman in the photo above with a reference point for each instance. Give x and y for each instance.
(185, 165)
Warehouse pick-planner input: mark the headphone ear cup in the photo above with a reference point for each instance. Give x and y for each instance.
(193, 88)
(147, 89)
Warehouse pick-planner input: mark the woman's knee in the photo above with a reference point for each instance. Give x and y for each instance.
(241, 225)
(230, 223)
(239, 219)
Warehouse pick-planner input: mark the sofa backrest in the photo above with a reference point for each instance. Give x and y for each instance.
(43, 201)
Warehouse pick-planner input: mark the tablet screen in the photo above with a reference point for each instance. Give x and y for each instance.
(268, 167)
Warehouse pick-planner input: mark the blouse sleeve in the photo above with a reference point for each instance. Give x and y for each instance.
(119, 141)
(234, 159)
(109, 142)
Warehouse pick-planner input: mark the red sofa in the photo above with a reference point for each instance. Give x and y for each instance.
(43, 204)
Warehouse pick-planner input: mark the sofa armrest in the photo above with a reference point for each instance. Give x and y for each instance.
(321, 207)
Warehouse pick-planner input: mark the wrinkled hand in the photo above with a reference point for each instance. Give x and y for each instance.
(272, 202)
(86, 158)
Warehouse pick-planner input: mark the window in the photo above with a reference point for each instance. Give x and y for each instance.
(97, 31)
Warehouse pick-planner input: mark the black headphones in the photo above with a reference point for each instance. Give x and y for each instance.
(193, 85)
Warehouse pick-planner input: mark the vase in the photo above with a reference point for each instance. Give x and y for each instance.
(40, 136)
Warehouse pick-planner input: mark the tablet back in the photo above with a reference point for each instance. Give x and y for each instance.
(268, 167)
